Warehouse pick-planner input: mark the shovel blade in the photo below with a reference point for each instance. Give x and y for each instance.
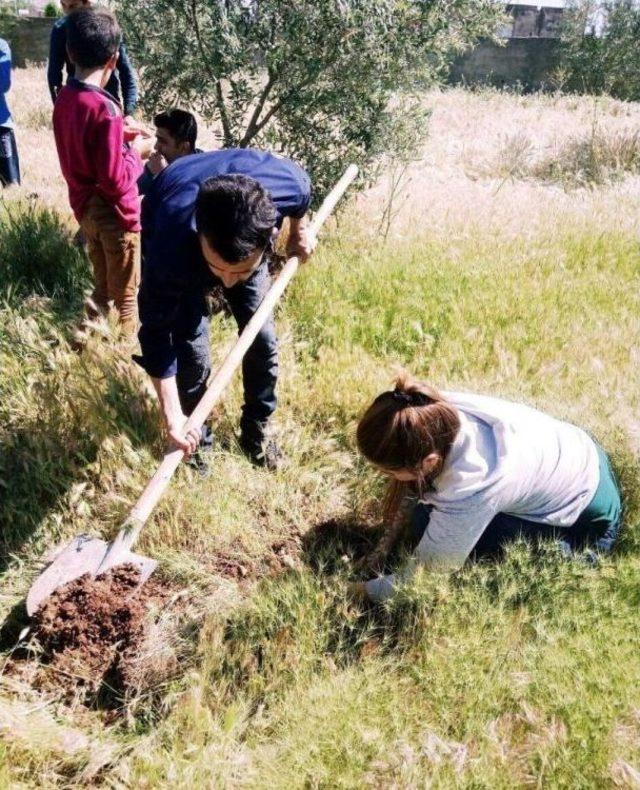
(83, 555)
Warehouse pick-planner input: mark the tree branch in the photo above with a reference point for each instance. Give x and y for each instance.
(222, 109)
(288, 96)
(253, 126)
(257, 124)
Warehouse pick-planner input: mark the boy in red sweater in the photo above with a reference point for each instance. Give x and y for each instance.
(101, 171)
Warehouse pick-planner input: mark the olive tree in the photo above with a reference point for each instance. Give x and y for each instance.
(324, 81)
(600, 51)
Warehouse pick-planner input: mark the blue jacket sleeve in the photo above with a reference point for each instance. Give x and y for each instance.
(292, 187)
(159, 302)
(5, 68)
(57, 49)
(128, 82)
(304, 194)
(145, 182)
(160, 295)
(148, 215)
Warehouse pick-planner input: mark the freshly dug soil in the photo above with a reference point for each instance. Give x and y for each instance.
(89, 630)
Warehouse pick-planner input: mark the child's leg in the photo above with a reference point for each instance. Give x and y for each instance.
(15, 159)
(502, 529)
(123, 276)
(260, 363)
(90, 227)
(121, 254)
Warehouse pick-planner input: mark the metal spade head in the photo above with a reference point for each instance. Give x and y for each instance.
(83, 555)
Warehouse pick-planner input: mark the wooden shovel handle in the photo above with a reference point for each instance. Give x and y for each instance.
(159, 482)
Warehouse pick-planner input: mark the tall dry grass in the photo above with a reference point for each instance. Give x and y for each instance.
(475, 174)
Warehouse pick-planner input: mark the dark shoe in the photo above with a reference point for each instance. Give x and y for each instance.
(261, 452)
(199, 461)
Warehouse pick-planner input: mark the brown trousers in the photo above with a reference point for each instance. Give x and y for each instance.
(115, 256)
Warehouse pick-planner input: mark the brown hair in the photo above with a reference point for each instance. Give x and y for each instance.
(404, 426)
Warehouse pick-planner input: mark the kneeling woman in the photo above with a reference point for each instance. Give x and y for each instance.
(486, 471)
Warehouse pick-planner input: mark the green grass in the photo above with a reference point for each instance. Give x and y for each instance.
(36, 257)
(523, 674)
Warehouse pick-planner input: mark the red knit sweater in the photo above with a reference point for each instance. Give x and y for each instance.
(89, 131)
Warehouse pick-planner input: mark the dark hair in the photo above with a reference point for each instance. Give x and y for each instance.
(405, 425)
(93, 37)
(236, 215)
(400, 429)
(180, 124)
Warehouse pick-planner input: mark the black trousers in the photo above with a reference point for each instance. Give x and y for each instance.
(9, 162)
(260, 364)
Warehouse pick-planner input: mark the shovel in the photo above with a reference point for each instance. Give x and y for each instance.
(87, 555)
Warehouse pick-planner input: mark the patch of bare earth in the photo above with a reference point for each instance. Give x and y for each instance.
(88, 636)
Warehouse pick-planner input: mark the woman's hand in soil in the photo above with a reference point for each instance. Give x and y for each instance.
(372, 562)
(358, 591)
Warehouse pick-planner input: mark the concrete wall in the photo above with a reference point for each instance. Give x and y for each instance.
(529, 21)
(28, 38)
(525, 62)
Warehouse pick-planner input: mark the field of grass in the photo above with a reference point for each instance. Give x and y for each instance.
(491, 278)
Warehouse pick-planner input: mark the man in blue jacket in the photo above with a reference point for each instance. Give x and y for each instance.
(122, 84)
(9, 164)
(210, 219)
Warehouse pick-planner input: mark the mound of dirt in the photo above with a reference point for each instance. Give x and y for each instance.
(90, 630)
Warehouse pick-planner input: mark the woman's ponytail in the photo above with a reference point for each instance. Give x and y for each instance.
(401, 428)
(405, 425)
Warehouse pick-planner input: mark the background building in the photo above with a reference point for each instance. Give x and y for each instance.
(526, 59)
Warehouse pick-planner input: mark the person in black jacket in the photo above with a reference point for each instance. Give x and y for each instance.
(122, 85)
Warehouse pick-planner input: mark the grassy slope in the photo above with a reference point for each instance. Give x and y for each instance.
(523, 674)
